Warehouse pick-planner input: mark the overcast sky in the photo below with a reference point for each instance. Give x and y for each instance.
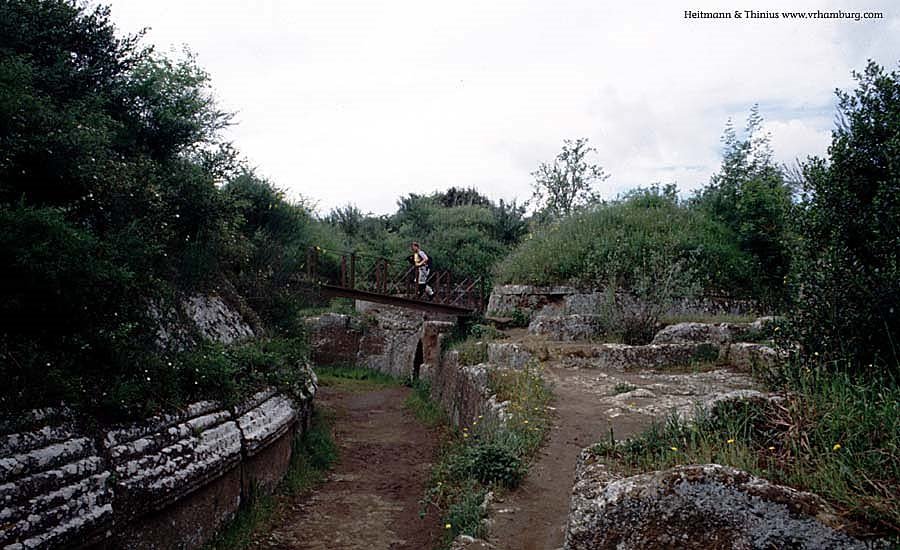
(361, 101)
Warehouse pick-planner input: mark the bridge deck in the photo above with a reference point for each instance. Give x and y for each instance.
(400, 301)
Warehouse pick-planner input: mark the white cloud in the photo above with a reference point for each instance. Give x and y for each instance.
(358, 101)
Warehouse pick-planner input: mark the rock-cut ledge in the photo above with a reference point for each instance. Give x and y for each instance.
(169, 481)
(706, 506)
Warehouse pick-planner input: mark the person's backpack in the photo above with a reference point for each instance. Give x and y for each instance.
(428, 261)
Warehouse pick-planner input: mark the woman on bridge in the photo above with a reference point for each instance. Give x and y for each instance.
(423, 267)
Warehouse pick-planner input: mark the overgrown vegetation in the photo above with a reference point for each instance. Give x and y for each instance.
(461, 229)
(312, 456)
(836, 436)
(353, 378)
(490, 455)
(837, 431)
(646, 235)
(847, 277)
(112, 211)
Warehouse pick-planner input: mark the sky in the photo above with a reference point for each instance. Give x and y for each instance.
(355, 101)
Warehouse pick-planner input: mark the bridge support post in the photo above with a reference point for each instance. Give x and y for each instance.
(353, 270)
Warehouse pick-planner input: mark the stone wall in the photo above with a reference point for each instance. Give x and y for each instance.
(382, 338)
(166, 482)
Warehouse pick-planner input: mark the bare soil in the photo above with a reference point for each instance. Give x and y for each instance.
(534, 516)
(370, 500)
(591, 405)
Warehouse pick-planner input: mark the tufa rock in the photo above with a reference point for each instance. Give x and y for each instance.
(698, 506)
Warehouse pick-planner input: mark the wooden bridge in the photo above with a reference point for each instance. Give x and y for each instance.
(377, 279)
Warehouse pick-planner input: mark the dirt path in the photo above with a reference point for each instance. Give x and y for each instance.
(590, 402)
(371, 498)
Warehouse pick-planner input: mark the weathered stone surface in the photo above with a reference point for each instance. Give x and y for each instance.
(432, 332)
(165, 482)
(686, 333)
(624, 356)
(54, 488)
(463, 391)
(188, 522)
(705, 506)
(508, 354)
(159, 461)
(505, 300)
(567, 328)
(389, 344)
(754, 356)
(215, 320)
(334, 338)
(265, 418)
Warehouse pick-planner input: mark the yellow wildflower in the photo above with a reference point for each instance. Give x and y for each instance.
(836, 447)
(674, 448)
(730, 441)
(447, 526)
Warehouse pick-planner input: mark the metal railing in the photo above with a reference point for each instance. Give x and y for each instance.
(379, 275)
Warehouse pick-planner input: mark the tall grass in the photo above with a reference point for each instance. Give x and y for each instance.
(833, 434)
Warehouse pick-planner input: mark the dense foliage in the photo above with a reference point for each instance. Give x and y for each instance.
(646, 235)
(848, 272)
(461, 230)
(752, 198)
(110, 211)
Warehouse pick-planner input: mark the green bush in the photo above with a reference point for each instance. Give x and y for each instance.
(751, 196)
(620, 244)
(111, 212)
(490, 463)
(847, 276)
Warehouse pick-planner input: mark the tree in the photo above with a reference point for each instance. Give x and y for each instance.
(848, 272)
(456, 196)
(568, 183)
(749, 195)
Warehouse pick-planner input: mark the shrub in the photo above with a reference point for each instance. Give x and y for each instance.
(848, 273)
(491, 463)
(618, 244)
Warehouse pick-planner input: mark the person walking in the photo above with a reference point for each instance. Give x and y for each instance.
(423, 269)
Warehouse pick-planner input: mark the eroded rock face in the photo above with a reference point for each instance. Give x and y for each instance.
(531, 300)
(54, 486)
(63, 483)
(750, 356)
(567, 328)
(685, 333)
(158, 461)
(697, 506)
(334, 338)
(390, 341)
(215, 320)
(509, 354)
(624, 356)
(506, 300)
